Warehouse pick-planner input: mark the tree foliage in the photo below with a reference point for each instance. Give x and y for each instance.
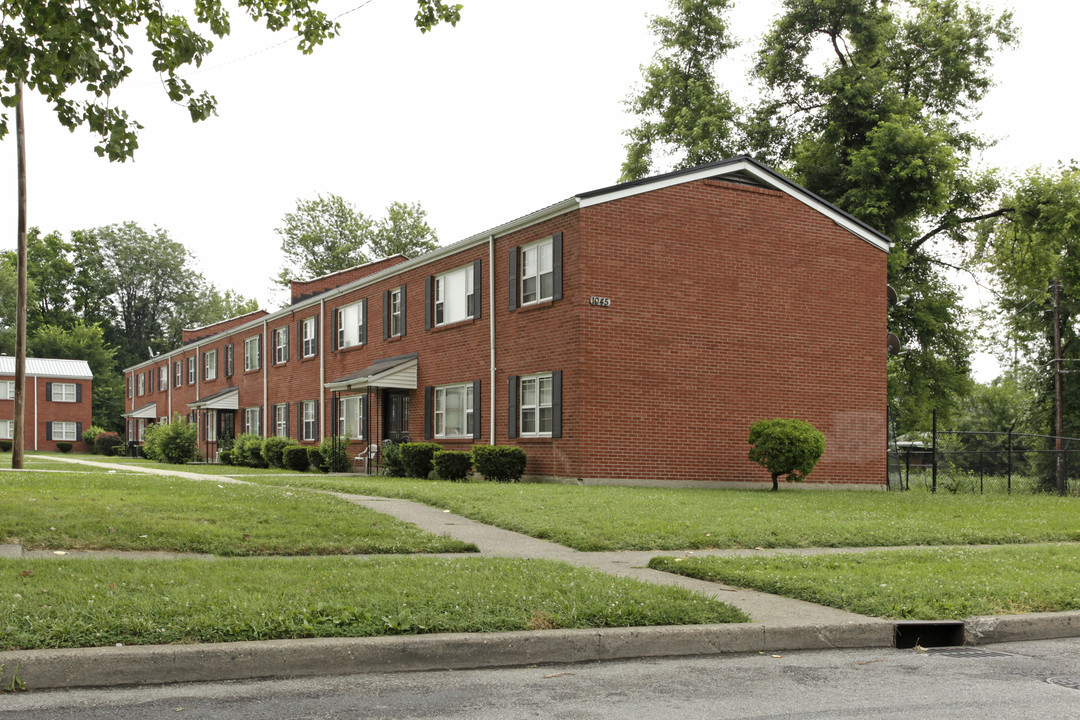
(786, 446)
(77, 54)
(86, 342)
(329, 234)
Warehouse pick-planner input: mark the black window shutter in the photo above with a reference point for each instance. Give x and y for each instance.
(262, 427)
(477, 283)
(512, 278)
(48, 431)
(48, 393)
(429, 283)
(385, 314)
(78, 431)
(429, 409)
(258, 357)
(363, 321)
(403, 313)
(315, 334)
(299, 339)
(286, 420)
(333, 329)
(286, 331)
(78, 392)
(363, 416)
(556, 266)
(512, 408)
(300, 420)
(317, 423)
(476, 414)
(556, 404)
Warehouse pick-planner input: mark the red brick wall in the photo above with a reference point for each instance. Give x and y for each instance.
(190, 336)
(39, 411)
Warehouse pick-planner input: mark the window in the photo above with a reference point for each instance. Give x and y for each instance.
(211, 426)
(7, 390)
(251, 421)
(536, 272)
(310, 420)
(210, 365)
(163, 378)
(7, 429)
(351, 416)
(253, 353)
(350, 325)
(454, 411)
(67, 392)
(229, 360)
(536, 413)
(395, 312)
(308, 338)
(281, 420)
(141, 429)
(130, 386)
(179, 379)
(455, 296)
(66, 432)
(281, 346)
(191, 370)
(140, 383)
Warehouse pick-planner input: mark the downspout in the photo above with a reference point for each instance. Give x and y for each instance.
(491, 329)
(169, 385)
(322, 369)
(35, 379)
(266, 388)
(198, 393)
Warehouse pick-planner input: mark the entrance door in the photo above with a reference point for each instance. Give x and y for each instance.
(226, 429)
(396, 415)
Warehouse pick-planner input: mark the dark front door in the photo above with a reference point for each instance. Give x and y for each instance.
(396, 415)
(226, 429)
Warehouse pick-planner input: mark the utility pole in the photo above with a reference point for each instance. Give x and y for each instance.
(1059, 415)
(19, 433)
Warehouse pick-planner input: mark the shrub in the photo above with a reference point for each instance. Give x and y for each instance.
(335, 454)
(500, 463)
(225, 457)
(273, 447)
(786, 447)
(416, 457)
(391, 459)
(174, 442)
(64, 447)
(295, 457)
(315, 459)
(247, 451)
(452, 464)
(90, 435)
(5, 445)
(107, 442)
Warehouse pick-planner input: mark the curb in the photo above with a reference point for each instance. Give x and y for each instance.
(1014, 628)
(160, 664)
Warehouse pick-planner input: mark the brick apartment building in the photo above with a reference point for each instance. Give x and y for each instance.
(58, 402)
(629, 334)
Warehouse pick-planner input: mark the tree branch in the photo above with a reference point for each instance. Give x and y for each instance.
(962, 221)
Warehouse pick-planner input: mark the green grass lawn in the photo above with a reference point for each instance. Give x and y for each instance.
(49, 461)
(83, 603)
(119, 511)
(923, 584)
(627, 518)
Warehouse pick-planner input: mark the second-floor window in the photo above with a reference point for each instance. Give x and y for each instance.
(141, 384)
(395, 312)
(454, 296)
(210, 365)
(252, 353)
(191, 370)
(537, 278)
(310, 346)
(66, 392)
(350, 325)
(281, 345)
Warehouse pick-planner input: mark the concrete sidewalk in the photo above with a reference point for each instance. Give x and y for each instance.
(779, 624)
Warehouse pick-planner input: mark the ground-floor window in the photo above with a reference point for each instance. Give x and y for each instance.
(251, 421)
(281, 420)
(536, 414)
(351, 416)
(7, 429)
(65, 431)
(211, 426)
(141, 429)
(454, 411)
(311, 420)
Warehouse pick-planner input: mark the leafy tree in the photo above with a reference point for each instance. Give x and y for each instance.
(329, 234)
(8, 287)
(86, 342)
(50, 270)
(786, 447)
(867, 103)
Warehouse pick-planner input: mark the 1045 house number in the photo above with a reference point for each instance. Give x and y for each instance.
(600, 301)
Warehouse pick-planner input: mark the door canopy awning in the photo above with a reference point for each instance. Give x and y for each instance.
(227, 399)
(149, 410)
(396, 372)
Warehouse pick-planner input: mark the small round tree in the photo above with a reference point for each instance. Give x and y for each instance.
(786, 447)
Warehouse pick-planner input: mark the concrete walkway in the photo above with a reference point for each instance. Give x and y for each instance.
(779, 623)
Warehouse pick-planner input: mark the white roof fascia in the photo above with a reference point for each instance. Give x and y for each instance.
(401, 376)
(750, 168)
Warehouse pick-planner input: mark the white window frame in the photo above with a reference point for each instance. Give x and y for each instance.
(532, 413)
(7, 429)
(533, 258)
(310, 420)
(64, 431)
(66, 392)
(395, 312)
(308, 331)
(210, 365)
(163, 378)
(179, 381)
(251, 354)
(9, 390)
(251, 421)
(350, 322)
(141, 430)
(281, 345)
(351, 406)
(281, 420)
(459, 309)
(140, 383)
(211, 426)
(191, 370)
(464, 421)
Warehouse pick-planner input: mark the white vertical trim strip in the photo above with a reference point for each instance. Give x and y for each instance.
(491, 332)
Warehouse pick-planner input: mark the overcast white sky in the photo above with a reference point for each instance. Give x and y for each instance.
(517, 107)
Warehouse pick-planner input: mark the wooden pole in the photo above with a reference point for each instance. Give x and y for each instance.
(19, 435)
(1059, 414)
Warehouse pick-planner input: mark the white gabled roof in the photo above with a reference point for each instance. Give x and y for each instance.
(46, 367)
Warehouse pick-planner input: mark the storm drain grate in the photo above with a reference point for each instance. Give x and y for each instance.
(966, 652)
(1069, 682)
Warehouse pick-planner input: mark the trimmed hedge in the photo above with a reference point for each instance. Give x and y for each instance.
(786, 446)
(335, 454)
(107, 442)
(273, 447)
(391, 459)
(174, 442)
(90, 435)
(64, 447)
(499, 463)
(452, 464)
(315, 458)
(5, 445)
(416, 458)
(295, 457)
(247, 451)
